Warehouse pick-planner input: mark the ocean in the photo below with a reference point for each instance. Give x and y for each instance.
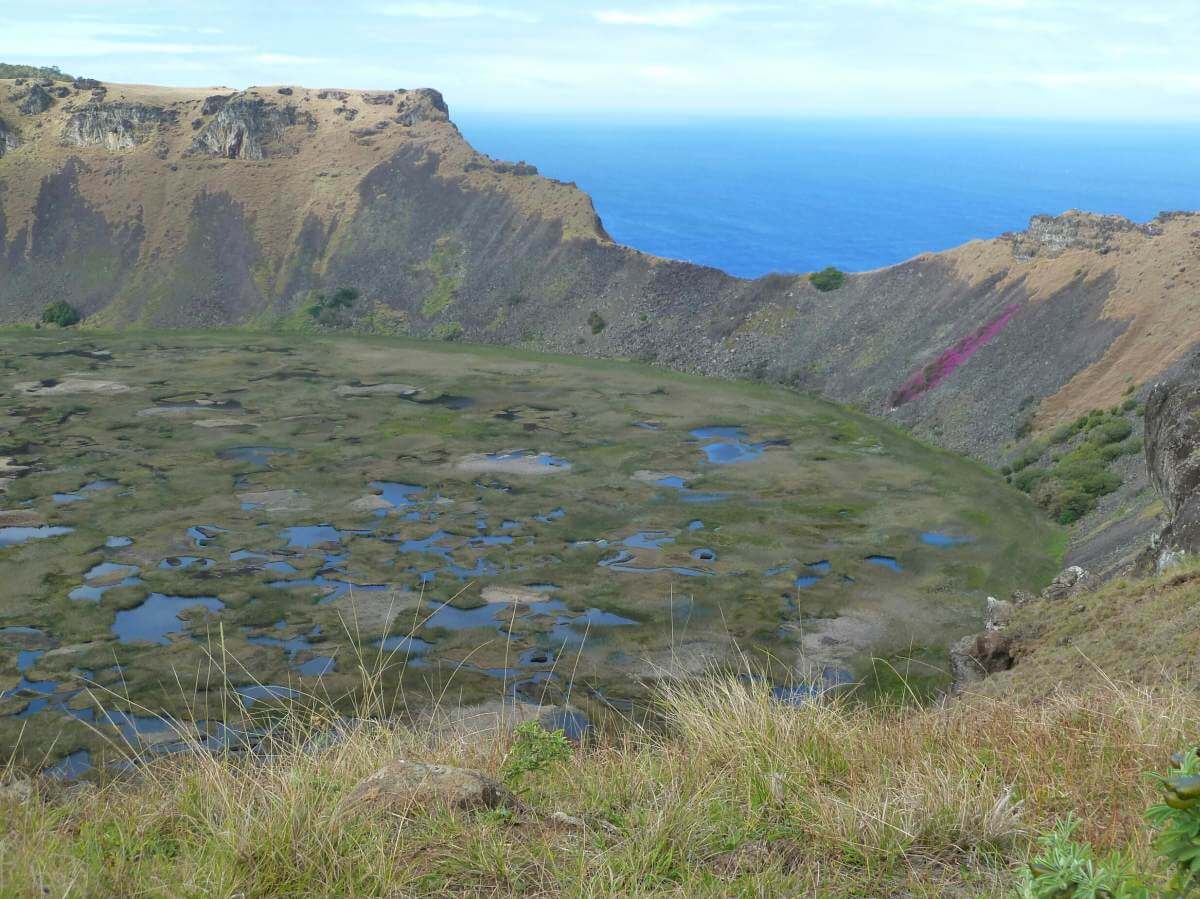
(753, 197)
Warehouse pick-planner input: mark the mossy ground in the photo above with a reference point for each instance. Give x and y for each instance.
(840, 488)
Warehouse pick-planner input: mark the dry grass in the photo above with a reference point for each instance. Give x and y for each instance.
(739, 794)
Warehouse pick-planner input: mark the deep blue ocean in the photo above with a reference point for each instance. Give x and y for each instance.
(753, 197)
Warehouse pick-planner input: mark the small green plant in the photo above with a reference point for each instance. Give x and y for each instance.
(447, 331)
(61, 313)
(828, 279)
(1113, 430)
(1066, 868)
(332, 310)
(533, 749)
(596, 322)
(1177, 819)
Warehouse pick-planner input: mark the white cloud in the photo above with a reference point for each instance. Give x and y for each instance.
(285, 59)
(455, 11)
(95, 38)
(690, 16)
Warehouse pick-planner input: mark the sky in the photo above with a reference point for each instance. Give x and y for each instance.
(1041, 59)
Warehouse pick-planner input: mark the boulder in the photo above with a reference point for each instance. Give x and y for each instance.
(1070, 582)
(975, 657)
(403, 788)
(998, 615)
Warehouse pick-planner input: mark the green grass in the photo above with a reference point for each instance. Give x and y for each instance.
(734, 795)
(444, 266)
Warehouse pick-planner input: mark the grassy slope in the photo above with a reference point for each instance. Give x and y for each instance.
(1132, 630)
(741, 796)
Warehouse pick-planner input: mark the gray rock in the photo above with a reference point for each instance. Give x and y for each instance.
(37, 100)
(421, 105)
(999, 614)
(975, 657)
(1070, 582)
(114, 126)
(214, 104)
(1052, 235)
(379, 99)
(402, 788)
(247, 128)
(8, 138)
(1172, 445)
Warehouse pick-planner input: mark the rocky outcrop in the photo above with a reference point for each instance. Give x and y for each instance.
(247, 128)
(1052, 235)
(1172, 442)
(114, 126)
(1069, 583)
(404, 788)
(36, 100)
(977, 656)
(214, 104)
(8, 138)
(421, 105)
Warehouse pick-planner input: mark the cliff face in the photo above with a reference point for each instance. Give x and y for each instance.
(1173, 458)
(170, 207)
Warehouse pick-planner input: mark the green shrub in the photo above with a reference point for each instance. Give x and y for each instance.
(1087, 471)
(1130, 403)
(1177, 819)
(1061, 434)
(1132, 446)
(54, 73)
(1066, 503)
(1112, 430)
(1027, 455)
(1110, 451)
(333, 309)
(61, 313)
(1065, 868)
(596, 322)
(533, 749)
(448, 331)
(1028, 478)
(828, 279)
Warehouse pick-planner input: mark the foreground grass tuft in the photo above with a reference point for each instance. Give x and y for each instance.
(739, 794)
